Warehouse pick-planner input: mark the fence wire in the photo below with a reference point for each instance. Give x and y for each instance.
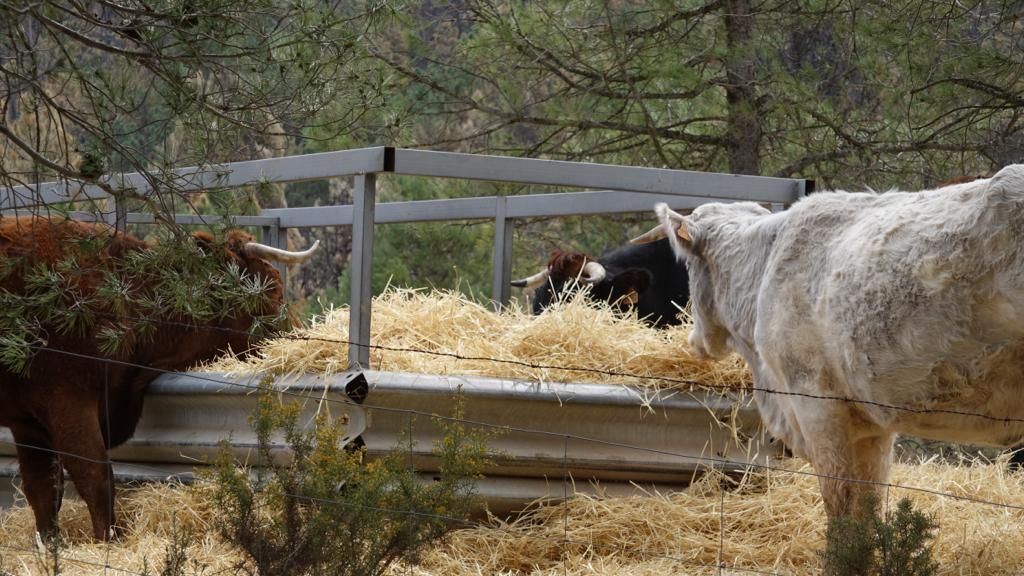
(580, 369)
(710, 461)
(512, 428)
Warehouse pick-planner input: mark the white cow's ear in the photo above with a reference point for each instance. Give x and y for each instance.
(670, 220)
(683, 231)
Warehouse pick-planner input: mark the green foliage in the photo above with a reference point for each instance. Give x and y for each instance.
(328, 512)
(895, 544)
(880, 94)
(141, 88)
(453, 255)
(176, 560)
(122, 301)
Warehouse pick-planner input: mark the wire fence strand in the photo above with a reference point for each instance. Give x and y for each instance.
(709, 461)
(590, 370)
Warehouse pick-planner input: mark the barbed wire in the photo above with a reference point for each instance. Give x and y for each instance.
(575, 437)
(509, 428)
(582, 369)
(710, 460)
(567, 540)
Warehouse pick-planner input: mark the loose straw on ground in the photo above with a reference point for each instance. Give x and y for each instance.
(774, 523)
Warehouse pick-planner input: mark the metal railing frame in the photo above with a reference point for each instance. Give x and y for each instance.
(620, 189)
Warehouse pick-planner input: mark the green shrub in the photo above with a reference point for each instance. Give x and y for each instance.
(894, 545)
(326, 512)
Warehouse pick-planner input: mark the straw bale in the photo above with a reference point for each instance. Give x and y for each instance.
(443, 332)
(767, 521)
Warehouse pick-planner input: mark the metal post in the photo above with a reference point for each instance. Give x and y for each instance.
(501, 291)
(118, 218)
(122, 214)
(272, 235)
(362, 270)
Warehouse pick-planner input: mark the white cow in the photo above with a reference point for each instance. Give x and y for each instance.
(910, 302)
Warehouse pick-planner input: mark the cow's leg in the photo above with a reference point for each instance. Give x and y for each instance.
(41, 477)
(1017, 458)
(851, 463)
(80, 440)
(125, 410)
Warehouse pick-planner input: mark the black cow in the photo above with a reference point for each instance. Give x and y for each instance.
(645, 277)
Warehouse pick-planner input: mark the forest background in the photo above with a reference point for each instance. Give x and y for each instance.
(853, 94)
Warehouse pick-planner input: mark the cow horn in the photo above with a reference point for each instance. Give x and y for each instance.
(531, 282)
(652, 235)
(593, 272)
(257, 250)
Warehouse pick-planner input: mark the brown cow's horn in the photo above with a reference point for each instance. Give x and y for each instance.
(257, 250)
(593, 272)
(532, 282)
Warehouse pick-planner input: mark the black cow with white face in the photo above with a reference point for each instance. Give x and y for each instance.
(645, 277)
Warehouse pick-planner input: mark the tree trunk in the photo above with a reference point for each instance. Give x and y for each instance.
(743, 131)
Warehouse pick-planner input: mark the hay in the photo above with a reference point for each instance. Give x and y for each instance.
(773, 522)
(422, 331)
(148, 518)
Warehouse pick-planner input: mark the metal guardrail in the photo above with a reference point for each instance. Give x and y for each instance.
(590, 431)
(185, 419)
(610, 435)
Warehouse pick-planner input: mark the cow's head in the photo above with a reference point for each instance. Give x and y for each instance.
(704, 240)
(568, 270)
(254, 260)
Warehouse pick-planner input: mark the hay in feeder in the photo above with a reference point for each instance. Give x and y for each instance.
(443, 332)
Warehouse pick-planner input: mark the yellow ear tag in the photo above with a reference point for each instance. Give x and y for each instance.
(682, 232)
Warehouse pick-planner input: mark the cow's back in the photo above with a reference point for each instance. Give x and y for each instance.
(29, 241)
(907, 299)
(65, 358)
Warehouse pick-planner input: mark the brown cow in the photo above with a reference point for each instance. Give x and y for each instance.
(73, 402)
